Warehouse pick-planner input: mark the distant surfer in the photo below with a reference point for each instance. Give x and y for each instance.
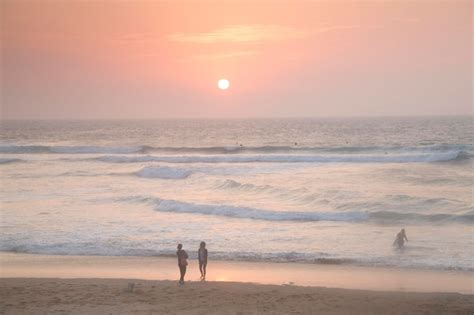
(400, 239)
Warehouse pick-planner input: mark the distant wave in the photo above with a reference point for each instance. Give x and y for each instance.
(163, 205)
(232, 149)
(9, 161)
(31, 149)
(163, 172)
(384, 158)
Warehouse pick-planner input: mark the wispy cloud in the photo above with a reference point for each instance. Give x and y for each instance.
(241, 34)
(225, 55)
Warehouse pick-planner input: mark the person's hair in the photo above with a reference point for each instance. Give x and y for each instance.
(180, 246)
(203, 244)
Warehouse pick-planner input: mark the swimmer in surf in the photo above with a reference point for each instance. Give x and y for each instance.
(400, 239)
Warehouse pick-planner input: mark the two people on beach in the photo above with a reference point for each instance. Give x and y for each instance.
(183, 261)
(400, 239)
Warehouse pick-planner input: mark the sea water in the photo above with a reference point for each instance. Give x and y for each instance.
(332, 191)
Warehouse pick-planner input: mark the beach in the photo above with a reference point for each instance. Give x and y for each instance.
(316, 156)
(32, 284)
(109, 296)
(91, 206)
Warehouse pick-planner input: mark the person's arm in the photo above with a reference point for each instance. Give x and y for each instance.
(205, 254)
(185, 255)
(406, 237)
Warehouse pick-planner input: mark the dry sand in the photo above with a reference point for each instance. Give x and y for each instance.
(110, 296)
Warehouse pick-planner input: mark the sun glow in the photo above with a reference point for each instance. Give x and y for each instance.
(223, 84)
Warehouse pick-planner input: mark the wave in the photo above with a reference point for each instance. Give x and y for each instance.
(101, 248)
(163, 172)
(232, 184)
(9, 161)
(384, 158)
(123, 248)
(387, 217)
(31, 149)
(233, 149)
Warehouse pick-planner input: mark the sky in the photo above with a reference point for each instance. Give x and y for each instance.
(155, 59)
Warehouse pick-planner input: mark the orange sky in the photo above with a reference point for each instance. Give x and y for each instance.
(150, 59)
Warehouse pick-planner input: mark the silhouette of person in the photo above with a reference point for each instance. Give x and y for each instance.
(400, 239)
(182, 262)
(202, 256)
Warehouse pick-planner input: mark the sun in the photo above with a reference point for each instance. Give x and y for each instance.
(223, 84)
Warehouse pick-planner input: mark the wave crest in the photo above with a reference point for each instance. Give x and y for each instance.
(163, 205)
(163, 172)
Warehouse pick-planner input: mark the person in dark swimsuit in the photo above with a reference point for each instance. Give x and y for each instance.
(202, 256)
(400, 239)
(182, 262)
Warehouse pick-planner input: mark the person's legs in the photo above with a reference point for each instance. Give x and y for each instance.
(182, 271)
(200, 269)
(204, 265)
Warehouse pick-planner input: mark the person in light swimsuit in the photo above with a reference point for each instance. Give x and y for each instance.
(182, 262)
(202, 256)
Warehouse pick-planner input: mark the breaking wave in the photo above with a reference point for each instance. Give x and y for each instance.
(163, 172)
(163, 205)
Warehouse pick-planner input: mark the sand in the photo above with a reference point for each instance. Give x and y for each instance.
(42, 284)
(110, 296)
(14, 265)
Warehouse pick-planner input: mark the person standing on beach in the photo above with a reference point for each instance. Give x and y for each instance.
(202, 256)
(400, 239)
(182, 262)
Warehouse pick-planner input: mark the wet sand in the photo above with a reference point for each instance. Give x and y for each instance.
(165, 268)
(38, 284)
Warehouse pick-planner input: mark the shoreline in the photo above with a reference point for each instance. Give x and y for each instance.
(15, 265)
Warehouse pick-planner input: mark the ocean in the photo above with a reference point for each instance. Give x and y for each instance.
(316, 191)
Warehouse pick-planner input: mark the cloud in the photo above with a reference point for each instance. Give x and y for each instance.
(226, 55)
(253, 34)
(241, 34)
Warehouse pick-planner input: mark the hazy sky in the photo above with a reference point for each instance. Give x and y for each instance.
(151, 59)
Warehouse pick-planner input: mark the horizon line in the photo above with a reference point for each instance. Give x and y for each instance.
(240, 118)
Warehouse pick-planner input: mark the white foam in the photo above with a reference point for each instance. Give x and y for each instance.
(163, 172)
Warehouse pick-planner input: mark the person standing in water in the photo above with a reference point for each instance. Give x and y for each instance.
(182, 262)
(202, 256)
(400, 239)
